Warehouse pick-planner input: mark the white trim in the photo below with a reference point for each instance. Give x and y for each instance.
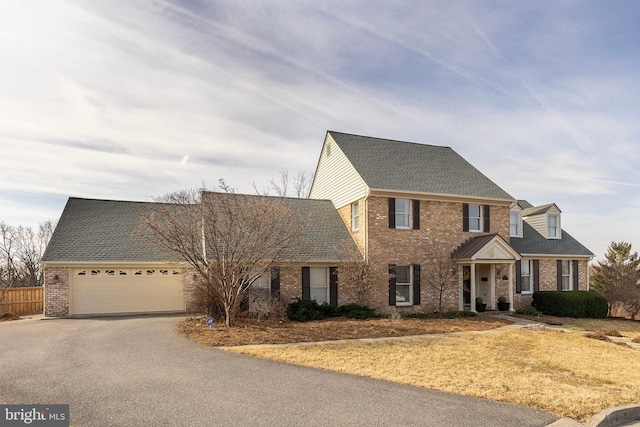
(355, 216)
(410, 284)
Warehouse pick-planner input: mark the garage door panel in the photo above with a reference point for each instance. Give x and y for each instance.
(125, 290)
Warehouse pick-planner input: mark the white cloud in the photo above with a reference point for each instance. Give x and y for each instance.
(131, 99)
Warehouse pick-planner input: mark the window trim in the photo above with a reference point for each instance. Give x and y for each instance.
(529, 263)
(569, 275)
(407, 214)
(479, 218)
(518, 223)
(409, 284)
(557, 234)
(355, 216)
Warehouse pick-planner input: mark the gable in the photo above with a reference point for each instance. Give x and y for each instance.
(390, 165)
(335, 178)
(488, 247)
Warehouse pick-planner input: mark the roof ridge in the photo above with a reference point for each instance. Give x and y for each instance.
(388, 139)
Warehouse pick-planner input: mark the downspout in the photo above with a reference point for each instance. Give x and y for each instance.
(366, 225)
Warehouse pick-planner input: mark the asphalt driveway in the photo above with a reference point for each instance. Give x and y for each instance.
(138, 372)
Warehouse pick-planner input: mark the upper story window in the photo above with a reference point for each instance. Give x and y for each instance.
(355, 216)
(515, 224)
(475, 218)
(553, 226)
(404, 213)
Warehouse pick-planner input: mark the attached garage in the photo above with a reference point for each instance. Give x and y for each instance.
(100, 290)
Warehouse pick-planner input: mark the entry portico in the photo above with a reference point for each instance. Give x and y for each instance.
(479, 261)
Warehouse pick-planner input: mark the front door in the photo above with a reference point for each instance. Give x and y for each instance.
(483, 280)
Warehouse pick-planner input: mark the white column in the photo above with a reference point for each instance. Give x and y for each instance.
(511, 287)
(473, 287)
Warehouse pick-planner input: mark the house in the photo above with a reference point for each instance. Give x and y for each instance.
(403, 207)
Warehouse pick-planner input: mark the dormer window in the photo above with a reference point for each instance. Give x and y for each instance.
(553, 226)
(515, 223)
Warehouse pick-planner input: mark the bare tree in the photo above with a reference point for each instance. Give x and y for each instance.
(440, 274)
(229, 239)
(357, 273)
(301, 184)
(21, 249)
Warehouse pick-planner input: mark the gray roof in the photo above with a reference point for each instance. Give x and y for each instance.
(533, 242)
(386, 164)
(537, 210)
(102, 231)
(325, 236)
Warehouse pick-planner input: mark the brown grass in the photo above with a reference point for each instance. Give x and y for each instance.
(250, 331)
(7, 316)
(563, 373)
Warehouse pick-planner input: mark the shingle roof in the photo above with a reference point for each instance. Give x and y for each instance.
(537, 210)
(533, 242)
(395, 165)
(102, 231)
(324, 238)
(469, 248)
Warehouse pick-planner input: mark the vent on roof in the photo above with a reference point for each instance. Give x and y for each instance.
(327, 151)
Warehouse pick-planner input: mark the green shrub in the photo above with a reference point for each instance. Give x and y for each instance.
(528, 312)
(444, 315)
(581, 304)
(307, 310)
(357, 311)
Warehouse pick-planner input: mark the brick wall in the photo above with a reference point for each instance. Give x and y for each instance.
(56, 292)
(439, 234)
(549, 281)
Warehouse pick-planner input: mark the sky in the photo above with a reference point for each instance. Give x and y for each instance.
(133, 99)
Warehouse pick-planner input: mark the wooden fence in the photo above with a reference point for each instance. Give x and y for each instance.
(22, 300)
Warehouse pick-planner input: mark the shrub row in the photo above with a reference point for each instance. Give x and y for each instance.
(443, 315)
(585, 304)
(308, 310)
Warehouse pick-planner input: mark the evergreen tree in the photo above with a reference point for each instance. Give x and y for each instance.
(617, 277)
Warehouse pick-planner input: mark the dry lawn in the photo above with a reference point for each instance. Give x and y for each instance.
(561, 372)
(250, 331)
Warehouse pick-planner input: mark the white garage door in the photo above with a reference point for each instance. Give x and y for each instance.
(126, 290)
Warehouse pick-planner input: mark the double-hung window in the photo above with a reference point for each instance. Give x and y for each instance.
(567, 284)
(553, 227)
(403, 213)
(403, 285)
(525, 274)
(475, 218)
(355, 216)
(514, 224)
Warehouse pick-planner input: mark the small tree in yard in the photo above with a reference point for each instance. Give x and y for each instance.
(440, 274)
(616, 278)
(229, 239)
(357, 273)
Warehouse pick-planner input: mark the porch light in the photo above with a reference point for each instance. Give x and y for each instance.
(55, 278)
